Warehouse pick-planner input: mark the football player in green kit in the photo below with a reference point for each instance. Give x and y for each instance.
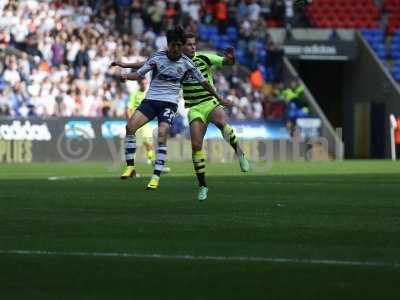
(204, 108)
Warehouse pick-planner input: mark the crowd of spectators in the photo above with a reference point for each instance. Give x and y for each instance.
(55, 55)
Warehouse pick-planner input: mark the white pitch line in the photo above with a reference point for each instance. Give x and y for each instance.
(209, 258)
(52, 178)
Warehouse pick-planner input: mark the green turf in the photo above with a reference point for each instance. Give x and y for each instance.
(338, 211)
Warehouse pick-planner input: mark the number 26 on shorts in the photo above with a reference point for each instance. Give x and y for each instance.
(169, 114)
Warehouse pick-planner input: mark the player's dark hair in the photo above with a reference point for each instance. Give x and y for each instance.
(175, 35)
(189, 35)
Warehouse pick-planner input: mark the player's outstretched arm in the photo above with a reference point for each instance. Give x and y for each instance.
(121, 64)
(205, 84)
(147, 66)
(130, 76)
(217, 60)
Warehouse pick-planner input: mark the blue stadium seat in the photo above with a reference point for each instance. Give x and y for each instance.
(224, 38)
(378, 47)
(231, 30)
(261, 54)
(232, 34)
(365, 32)
(220, 42)
(380, 50)
(374, 31)
(395, 46)
(382, 53)
(377, 31)
(375, 44)
(222, 45)
(213, 30)
(240, 57)
(369, 38)
(203, 32)
(395, 50)
(376, 39)
(396, 39)
(395, 71)
(260, 46)
(214, 39)
(396, 54)
(206, 32)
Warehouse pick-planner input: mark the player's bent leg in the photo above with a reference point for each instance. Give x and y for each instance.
(197, 130)
(218, 117)
(137, 120)
(161, 155)
(150, 153)
(147, 135)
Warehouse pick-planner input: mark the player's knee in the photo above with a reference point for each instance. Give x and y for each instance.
(219, 121)
(162, 134)
(197, 144)
(218, 118)
(220, 125)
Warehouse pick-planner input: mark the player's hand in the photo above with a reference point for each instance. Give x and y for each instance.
(225, 102)
(229, 54)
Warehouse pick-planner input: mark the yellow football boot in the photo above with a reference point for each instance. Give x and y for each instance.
(128, 172)
(153, 183)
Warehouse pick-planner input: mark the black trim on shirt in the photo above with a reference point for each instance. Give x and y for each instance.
(205, 59)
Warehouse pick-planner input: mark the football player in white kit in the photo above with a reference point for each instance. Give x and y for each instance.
(169, 69)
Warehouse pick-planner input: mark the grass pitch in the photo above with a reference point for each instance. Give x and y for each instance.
(293, 230)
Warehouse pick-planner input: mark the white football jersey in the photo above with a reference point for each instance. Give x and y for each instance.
(168, 75)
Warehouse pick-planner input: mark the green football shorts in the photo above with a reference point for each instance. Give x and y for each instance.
(202, 111)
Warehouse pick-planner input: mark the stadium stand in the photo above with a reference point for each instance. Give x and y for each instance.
(378, 21)
(56, 53)
(344, 14)
(392, 7)
(385, 40)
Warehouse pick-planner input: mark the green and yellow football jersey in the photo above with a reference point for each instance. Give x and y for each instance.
(135, 98)
(193, 92)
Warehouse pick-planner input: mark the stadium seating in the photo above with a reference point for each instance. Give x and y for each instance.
(366, 16)
(344, 14)
(376, 38)
(219, 41)
(395, 48)
(392, 7)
